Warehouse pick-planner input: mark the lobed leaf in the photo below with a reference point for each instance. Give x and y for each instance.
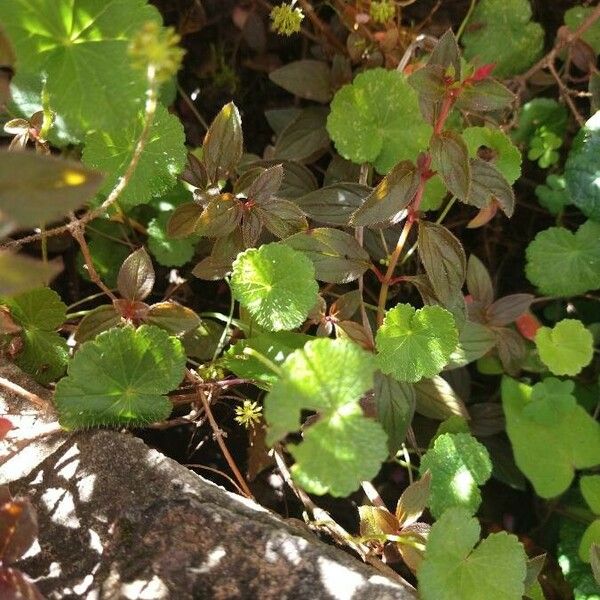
(413, 344)
(562, 263)
(548, 416)
(459, 464)
(373, 120)
(343, 448)
(456, 567)
(566, 348)
(276, 284)
(121, 378)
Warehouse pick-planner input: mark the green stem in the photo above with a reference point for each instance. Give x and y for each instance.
(223, 337)
(446, 210)
(463, 25)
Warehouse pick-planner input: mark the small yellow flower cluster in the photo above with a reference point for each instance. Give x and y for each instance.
(286, 19)
(382, 11)
(248, 414)
(157, 47)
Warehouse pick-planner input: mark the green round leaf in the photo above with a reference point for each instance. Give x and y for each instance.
(376, 119)
(168, 251)
(121, 379)
(455, 569)
(501, 32)
(413, 344)
(41, 308)
(566, 348)
(547, 416)
(45, 353)
(163, 158)
(458, 465)
(343, 448)
(561, 263)
(582, 169)
(505, 155)
(81, 49)
(276, 284)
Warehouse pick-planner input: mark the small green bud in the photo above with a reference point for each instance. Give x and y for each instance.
(156, 47)
(285, 19)
(382, 11)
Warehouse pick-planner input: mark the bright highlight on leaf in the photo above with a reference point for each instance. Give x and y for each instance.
(582, 171)
(454, 568)
(458, 464)
(276, 284)
(162, 160)
(413, 344)
(547, 416)
(561, 263)
(373, 120)
(81, 48)
(343, 447)
(566, 348)
(121, 379)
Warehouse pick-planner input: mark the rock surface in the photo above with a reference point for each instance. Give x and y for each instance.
(119, 520)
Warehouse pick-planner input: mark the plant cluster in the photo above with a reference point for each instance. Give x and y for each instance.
(357, 315)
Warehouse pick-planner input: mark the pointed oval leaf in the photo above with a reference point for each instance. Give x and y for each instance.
(136, 276)
(308, 79)
(336, 255)
(444, 260)
(488, 184)
(450, 157)
(437, 400)
(479, 282)
(172, 317)
(223, 143)
(100, 319)
(386, 204)
(185, 220)
(395, 408)
(508, 309)
(334, 204)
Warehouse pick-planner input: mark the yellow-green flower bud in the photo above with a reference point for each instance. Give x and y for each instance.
(285, 19)
(156, 47)
(382, 11)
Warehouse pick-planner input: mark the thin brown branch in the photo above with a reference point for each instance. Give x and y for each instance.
(562, 43)
(321, 27)
(150, 112)
(79, 236)
(218, 434)
(42, 404)
(564, 93)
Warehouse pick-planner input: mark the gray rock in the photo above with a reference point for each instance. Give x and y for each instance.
(119, 520)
